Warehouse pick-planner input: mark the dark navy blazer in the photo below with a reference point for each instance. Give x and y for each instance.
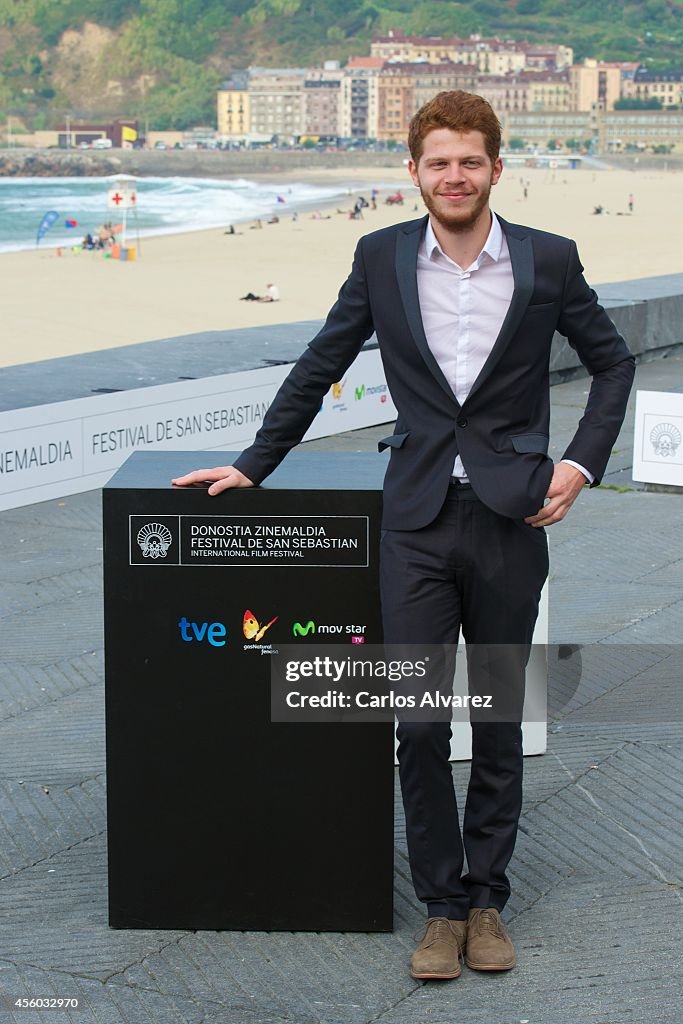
(502, 428)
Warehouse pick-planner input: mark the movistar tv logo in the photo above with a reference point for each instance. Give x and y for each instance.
(299, 630)
(356, 632)
(377, 389)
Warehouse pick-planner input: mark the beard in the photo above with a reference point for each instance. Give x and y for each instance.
(455, 219)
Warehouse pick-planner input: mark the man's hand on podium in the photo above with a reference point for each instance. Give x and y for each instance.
(220, 477)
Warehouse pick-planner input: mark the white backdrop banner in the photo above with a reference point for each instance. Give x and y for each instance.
(48, 451)
(658, 437)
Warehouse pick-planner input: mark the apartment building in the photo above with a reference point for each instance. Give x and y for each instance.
(397, 47)
(548, 57)
(359, 98)
(528, 90)
(622, 130)
(277, 102)
(665, 86)
(433, 78)
(488, 56)
(547, 90)
(597, 85)
(233, 110)
(395, 101)
(322, 100)
(503, 92)
(402, 88)
(537, 128)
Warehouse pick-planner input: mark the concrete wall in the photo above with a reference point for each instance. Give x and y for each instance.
(647, 311)
(204, 162)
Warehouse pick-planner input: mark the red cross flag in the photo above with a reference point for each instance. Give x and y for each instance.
(121, 198)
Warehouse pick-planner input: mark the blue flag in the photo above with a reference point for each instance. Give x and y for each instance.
(46, 223)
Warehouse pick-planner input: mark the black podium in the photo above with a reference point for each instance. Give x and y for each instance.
(219, 818)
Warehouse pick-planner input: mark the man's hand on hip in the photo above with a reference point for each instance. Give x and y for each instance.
(220, 477)
(564, 487)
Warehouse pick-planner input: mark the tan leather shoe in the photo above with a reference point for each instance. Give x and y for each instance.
(489, 947)
(440, 949)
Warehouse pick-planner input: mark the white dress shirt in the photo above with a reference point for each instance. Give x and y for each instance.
(463, 310)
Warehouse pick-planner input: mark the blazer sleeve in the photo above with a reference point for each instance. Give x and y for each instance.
(324, 362)
(604, 353)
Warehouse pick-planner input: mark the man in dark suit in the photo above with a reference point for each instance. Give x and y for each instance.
(464, 306)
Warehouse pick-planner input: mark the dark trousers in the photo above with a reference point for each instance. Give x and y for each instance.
(474, 569)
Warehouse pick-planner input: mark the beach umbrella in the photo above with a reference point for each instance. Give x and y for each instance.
(46, 223)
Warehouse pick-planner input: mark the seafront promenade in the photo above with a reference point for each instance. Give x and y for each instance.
(597, 907)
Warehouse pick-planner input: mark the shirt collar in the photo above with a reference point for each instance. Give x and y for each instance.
(492, 246)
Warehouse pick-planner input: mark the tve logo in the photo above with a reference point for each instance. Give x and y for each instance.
(213, 632)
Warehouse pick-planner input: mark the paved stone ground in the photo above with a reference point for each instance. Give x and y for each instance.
(597, 909)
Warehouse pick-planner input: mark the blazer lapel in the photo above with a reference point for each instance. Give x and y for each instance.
(522, 260)
(407, 244)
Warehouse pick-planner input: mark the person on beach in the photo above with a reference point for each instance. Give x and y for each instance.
(464, 306)
(272, 295)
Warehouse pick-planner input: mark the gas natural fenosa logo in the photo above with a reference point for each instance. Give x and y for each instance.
(154, 540)
(252, 628)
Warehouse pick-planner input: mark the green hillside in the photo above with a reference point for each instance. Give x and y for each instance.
(163, 59)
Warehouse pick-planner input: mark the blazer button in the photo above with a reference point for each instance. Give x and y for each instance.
(462, 422)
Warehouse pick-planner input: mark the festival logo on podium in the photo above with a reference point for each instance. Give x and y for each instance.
(153, 540)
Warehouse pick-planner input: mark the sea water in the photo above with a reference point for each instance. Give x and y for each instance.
(164, 205)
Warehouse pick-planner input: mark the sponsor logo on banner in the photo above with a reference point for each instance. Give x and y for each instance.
(213, 633)
(299, 630)
(356, 632)
(254, 631)
(59, 448)
(337, 401)
(377, 389)
(252, 628)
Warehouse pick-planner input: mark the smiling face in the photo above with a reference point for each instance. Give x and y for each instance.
(455, 175)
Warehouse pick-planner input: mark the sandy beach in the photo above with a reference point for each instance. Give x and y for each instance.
(181, 284)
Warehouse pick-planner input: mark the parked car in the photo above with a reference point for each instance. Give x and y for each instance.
(159, 144)
(102, 144)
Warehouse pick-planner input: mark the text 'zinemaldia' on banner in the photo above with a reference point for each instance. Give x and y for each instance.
(249, 540)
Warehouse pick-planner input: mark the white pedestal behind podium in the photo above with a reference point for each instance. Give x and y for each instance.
(534, 733)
